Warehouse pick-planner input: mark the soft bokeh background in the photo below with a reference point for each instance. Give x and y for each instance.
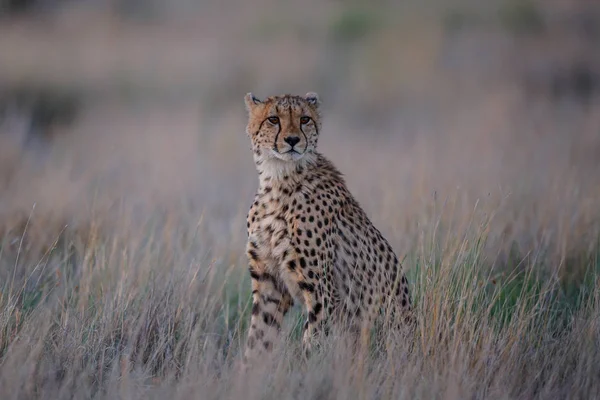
(122, 124)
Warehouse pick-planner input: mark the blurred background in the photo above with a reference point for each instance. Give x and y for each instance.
(137, 105)
(468, 130)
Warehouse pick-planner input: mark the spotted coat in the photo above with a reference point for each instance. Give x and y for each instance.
(308, 238)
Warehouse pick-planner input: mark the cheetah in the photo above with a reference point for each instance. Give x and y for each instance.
(308, 238)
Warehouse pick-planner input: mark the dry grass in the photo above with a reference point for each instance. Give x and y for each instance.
(122, 271)
(144, 294)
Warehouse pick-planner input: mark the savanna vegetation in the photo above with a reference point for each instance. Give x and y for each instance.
(125, 176)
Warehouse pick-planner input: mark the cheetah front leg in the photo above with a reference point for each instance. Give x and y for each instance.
(312, 293)
(304, 281)
(270, 303)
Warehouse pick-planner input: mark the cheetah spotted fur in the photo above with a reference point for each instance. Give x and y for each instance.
(308, 238)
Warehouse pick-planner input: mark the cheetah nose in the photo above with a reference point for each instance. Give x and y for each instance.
(292, 140)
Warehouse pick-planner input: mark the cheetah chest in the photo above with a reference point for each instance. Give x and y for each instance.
(268, 229)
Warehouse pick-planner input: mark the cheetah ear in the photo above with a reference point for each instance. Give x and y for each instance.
(313, 99)
(251, 101)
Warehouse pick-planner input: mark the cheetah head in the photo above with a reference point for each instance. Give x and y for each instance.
(284, 128)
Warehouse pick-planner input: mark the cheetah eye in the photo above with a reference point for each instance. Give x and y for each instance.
(304, 120)
(273, 120)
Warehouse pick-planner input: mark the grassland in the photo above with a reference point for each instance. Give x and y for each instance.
(122, 271)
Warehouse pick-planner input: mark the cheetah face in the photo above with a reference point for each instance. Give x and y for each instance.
(283, 127)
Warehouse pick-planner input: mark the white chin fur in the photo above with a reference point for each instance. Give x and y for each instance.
(276, 165)
(287, 156)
